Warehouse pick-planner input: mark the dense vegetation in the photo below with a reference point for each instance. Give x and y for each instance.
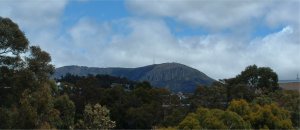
(29, 98)
(174, 76)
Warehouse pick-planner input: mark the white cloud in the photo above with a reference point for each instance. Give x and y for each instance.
(284, 12)
(33, 14)
(135, 41)
(280, 51)
(216, 55)
(219, 14)
(39, 19)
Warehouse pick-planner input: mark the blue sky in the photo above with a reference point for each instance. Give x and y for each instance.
(217, 37)
(95, 9)
(107, 10)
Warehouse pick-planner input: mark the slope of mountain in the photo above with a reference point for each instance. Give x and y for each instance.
(174, 76)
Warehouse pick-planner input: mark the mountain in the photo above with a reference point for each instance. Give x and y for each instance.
(174, 76)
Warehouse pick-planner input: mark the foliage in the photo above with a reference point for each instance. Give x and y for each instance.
(261, 79)
(289, 100)
(174, 115)
(26, 91)
(190, 122)
(213, 119)
(240, 115)
(241, 107)
(37, 109)
(270, 116)
(96, 117)
(67, 111)
(140, 106)
(12, 43)
(210, 97)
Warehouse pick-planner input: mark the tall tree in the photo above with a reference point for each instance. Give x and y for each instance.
(26, 90)
(262, 79)
(12, 43)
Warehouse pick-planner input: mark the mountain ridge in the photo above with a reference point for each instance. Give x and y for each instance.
(174, 76)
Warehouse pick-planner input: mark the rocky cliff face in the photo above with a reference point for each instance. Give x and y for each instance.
(174, 76)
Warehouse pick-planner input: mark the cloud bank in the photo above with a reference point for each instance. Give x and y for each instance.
(144, 35)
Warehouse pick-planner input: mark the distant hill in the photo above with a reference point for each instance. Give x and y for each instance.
(174, 76)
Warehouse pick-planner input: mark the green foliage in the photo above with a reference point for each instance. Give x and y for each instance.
(270, 116)
(262, 79)
(240, 91)
(26, 91)
(174, 116)
(8, 117)
(190, 122)
(261, 116)
(214, 119)
(263, 100)
(96, 117)
(37, 109)
(138, 107)
(241, 107)
(139, 118)
(38, 63)
(287, 99)
(241, 115)
(12, 43)
(210, 97)
(67, 111)
(219, 119)
(234, 121)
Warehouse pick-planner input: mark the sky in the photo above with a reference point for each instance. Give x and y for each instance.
(217, 37)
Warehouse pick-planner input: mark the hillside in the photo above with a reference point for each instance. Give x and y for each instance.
(174, 76)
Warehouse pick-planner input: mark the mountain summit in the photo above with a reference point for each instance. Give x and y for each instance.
(174, 76)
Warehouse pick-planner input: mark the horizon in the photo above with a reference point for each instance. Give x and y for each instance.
(218, 38)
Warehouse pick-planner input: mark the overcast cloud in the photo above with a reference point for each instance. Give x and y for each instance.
(135, 40)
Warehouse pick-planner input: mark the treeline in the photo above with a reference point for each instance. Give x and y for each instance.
(235, 103)
(29, 98)
(137, 106)
(251, 100)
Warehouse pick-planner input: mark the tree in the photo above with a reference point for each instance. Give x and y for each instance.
(37, 110)
(190, 122)
(252, 82)
(241, 107)
(270, 116)
(96, 117)
(27, 93)
(240, 115)
(240, 91)
(67, 111)
(39, 63)
(210, 119)
(262, 79)
(12, 43)
(234, 121)
(287, 99)
(174, 116)
(210, 97)
(214, 119)
(262, 116)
